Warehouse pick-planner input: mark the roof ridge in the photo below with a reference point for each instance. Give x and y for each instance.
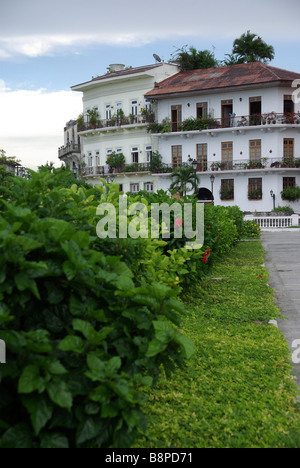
(268, 67)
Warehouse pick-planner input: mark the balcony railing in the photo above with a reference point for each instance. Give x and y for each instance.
(68, 149)
(204, 166)
(208, 123)
(117, 122)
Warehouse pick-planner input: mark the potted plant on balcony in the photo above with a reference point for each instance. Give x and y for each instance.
(214, 166)
(93, 117)
(80, 123)
(276, 164)
(222, 165)
(116, 161)
(156, 162)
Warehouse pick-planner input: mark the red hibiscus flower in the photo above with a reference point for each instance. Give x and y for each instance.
(178, 222)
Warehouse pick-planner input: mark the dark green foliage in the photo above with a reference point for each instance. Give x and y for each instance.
(194, 59)
(251, 48)
(291, 194)
(83, 329)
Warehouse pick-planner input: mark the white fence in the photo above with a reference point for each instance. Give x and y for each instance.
(275, 222)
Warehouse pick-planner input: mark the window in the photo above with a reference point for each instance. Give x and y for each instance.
(288, 149)
(89, 163)
(202, 110)
(227, 189)
(255, 150)
(227, 110)
(255, 189)
(97, 158)
(135, 154)
(108, 112)
(255, 110)
(288, 105)
(119, 150)
(176, 156)
(227, 155)
(134, 188)
(176, 117)
(121, 187)
(289, 182)
(148, 151)
(134, 110)
(148, 186)
(202, 156)
(148, 105)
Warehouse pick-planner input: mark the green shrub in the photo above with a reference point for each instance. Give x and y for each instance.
(291, 194)
(85, 322)
(251, 230)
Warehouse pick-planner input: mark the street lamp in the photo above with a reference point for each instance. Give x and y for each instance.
(212, 180)
(274, 198)
(75, 170)
(195, 166)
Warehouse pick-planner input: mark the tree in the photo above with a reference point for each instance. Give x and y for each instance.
(251, 48)
(183, 177)
(194, 59)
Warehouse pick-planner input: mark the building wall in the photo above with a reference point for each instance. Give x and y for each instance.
(272, 101)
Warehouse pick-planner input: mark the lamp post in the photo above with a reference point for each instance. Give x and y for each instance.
(274, 198)
(212, 181)
(195, 165)
(75, 171)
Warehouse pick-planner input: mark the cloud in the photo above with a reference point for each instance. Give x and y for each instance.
(32, 122)
(34, 28)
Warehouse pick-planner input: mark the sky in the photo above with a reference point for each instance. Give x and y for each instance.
(47, 47)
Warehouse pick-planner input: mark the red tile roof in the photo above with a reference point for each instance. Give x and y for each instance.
(246, 74)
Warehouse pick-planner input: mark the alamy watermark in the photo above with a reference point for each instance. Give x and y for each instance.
(296, 353)
(139, 220)
(2, 352)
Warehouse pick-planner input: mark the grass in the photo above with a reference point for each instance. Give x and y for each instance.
(237, 391)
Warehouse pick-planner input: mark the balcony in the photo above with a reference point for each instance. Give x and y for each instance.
(68, 149)
(115, 123)
(236, 122)
(205, 166)
(246, 165)
(104, 171)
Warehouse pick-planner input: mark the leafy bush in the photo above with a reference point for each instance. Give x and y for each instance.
(291, 194)
(86, 322)
(251, 230)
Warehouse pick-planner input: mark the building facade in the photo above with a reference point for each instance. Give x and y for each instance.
(241, 124)
(70, 153)
(114, 122)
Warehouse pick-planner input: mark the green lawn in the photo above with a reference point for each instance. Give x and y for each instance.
(237, 389)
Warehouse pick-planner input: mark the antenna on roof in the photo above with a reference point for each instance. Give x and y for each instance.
(157, 58)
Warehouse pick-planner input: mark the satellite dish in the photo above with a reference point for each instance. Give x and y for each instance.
(157, 58)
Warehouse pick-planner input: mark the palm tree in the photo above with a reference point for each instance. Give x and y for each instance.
(251, 48)
(183, 177)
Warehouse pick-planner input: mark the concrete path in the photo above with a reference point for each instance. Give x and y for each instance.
(283, 262)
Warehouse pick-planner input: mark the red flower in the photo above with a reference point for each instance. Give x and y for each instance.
(178, 222)
(206, 254)
(259, 276)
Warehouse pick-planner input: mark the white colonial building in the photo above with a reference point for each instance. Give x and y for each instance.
(70, 152)
(240, 123)
(115, 118)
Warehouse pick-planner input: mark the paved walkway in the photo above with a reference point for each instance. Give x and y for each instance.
(283, 262)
